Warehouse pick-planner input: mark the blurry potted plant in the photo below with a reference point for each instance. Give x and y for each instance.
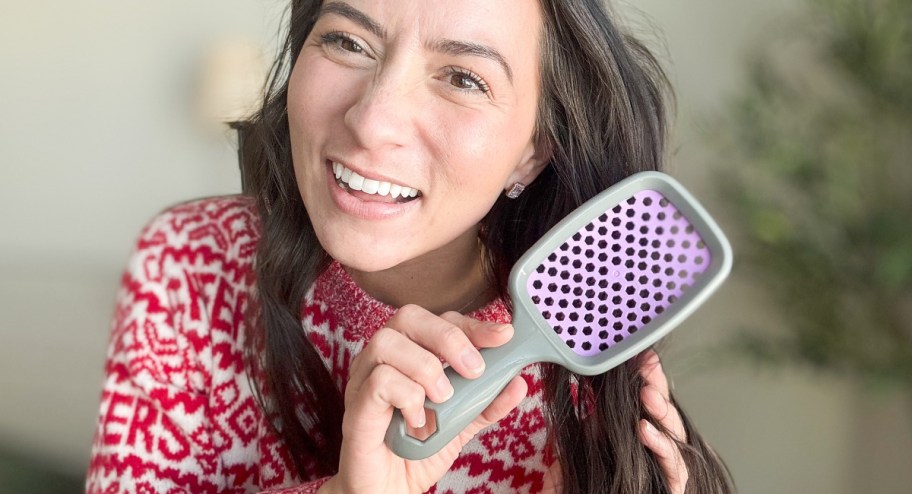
(816, 166)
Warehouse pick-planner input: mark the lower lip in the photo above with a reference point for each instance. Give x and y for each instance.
(361, 208)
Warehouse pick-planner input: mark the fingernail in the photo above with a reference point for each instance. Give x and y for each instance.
(422, 420)
(444, 388)
(499, 328)
(473, 361)
(651, 429)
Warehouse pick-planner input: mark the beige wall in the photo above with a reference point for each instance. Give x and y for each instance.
(99, 130)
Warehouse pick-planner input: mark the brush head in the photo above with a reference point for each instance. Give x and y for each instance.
(618, 272)
(626, 266)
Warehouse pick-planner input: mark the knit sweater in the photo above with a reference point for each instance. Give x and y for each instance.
(177, 411)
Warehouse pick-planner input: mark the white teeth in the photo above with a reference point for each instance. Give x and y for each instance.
(370, 186)
(355, 181)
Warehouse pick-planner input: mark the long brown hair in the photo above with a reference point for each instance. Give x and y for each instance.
(602, 113)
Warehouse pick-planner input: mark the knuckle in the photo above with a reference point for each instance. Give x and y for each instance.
(651, 358)
(451, 316)
(382, 342)
(381, 374)
(428, 368)
(414, 397)
(452, 336)
(379, 379)
(408, 311)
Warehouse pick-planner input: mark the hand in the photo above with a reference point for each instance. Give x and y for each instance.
(553, 482)
(657, 400)
(399, 368)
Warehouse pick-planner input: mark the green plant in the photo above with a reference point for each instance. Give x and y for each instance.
(817, 170)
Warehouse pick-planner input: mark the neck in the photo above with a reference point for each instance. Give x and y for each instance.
(447, 279)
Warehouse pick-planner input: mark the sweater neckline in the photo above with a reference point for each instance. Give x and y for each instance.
(362, 315)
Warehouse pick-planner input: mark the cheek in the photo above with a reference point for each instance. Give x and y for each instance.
(315, 95)
(300, 110)
(479, 163)
(316, 102)
(484, 152)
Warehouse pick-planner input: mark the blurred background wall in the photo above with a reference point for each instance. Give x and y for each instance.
(102, 125)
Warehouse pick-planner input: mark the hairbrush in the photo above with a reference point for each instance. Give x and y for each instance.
(601, 286)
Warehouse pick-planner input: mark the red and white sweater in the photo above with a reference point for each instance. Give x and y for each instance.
(177, 413)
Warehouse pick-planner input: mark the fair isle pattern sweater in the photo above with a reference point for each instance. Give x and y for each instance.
(177, 412)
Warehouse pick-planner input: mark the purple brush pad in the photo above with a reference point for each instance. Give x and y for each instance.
(618, 272)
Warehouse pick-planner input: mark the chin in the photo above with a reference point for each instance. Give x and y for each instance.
(368, 259)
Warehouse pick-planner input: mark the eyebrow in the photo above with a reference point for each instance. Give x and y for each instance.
(457, 48)
(446, 46)
(345, 10)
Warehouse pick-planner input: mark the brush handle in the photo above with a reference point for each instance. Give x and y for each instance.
(470, 396)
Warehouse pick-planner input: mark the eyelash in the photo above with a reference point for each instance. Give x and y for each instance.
(334, 39)
(472, 76)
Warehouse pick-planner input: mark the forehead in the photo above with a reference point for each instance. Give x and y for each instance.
(511, 26)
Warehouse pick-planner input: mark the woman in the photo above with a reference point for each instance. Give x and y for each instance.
(386, 171)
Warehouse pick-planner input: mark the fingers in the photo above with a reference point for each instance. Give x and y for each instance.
(451, 336)
(651, 370)
(368, 412)
(401, 366)
(415, 340)
(663, 411)
(482, 334)
(553, 482)
(656, 398)
(391, 348)
(668, 454)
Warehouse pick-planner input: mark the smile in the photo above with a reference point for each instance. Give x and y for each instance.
(353, 181)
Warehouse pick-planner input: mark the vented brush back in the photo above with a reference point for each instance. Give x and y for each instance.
(643, 252)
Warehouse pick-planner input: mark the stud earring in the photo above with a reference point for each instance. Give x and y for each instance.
(515, 190)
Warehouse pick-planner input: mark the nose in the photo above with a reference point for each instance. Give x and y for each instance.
(383, 115)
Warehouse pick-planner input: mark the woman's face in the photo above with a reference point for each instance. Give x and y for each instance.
(409, 118)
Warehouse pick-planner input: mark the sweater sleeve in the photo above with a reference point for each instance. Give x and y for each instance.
(153, 432)
(175, 414)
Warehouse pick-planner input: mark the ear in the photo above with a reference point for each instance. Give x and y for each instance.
(535, 158)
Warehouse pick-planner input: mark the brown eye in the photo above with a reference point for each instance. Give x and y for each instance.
(349, 44)
(463, 81)
(466, 81)
(342, 43)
